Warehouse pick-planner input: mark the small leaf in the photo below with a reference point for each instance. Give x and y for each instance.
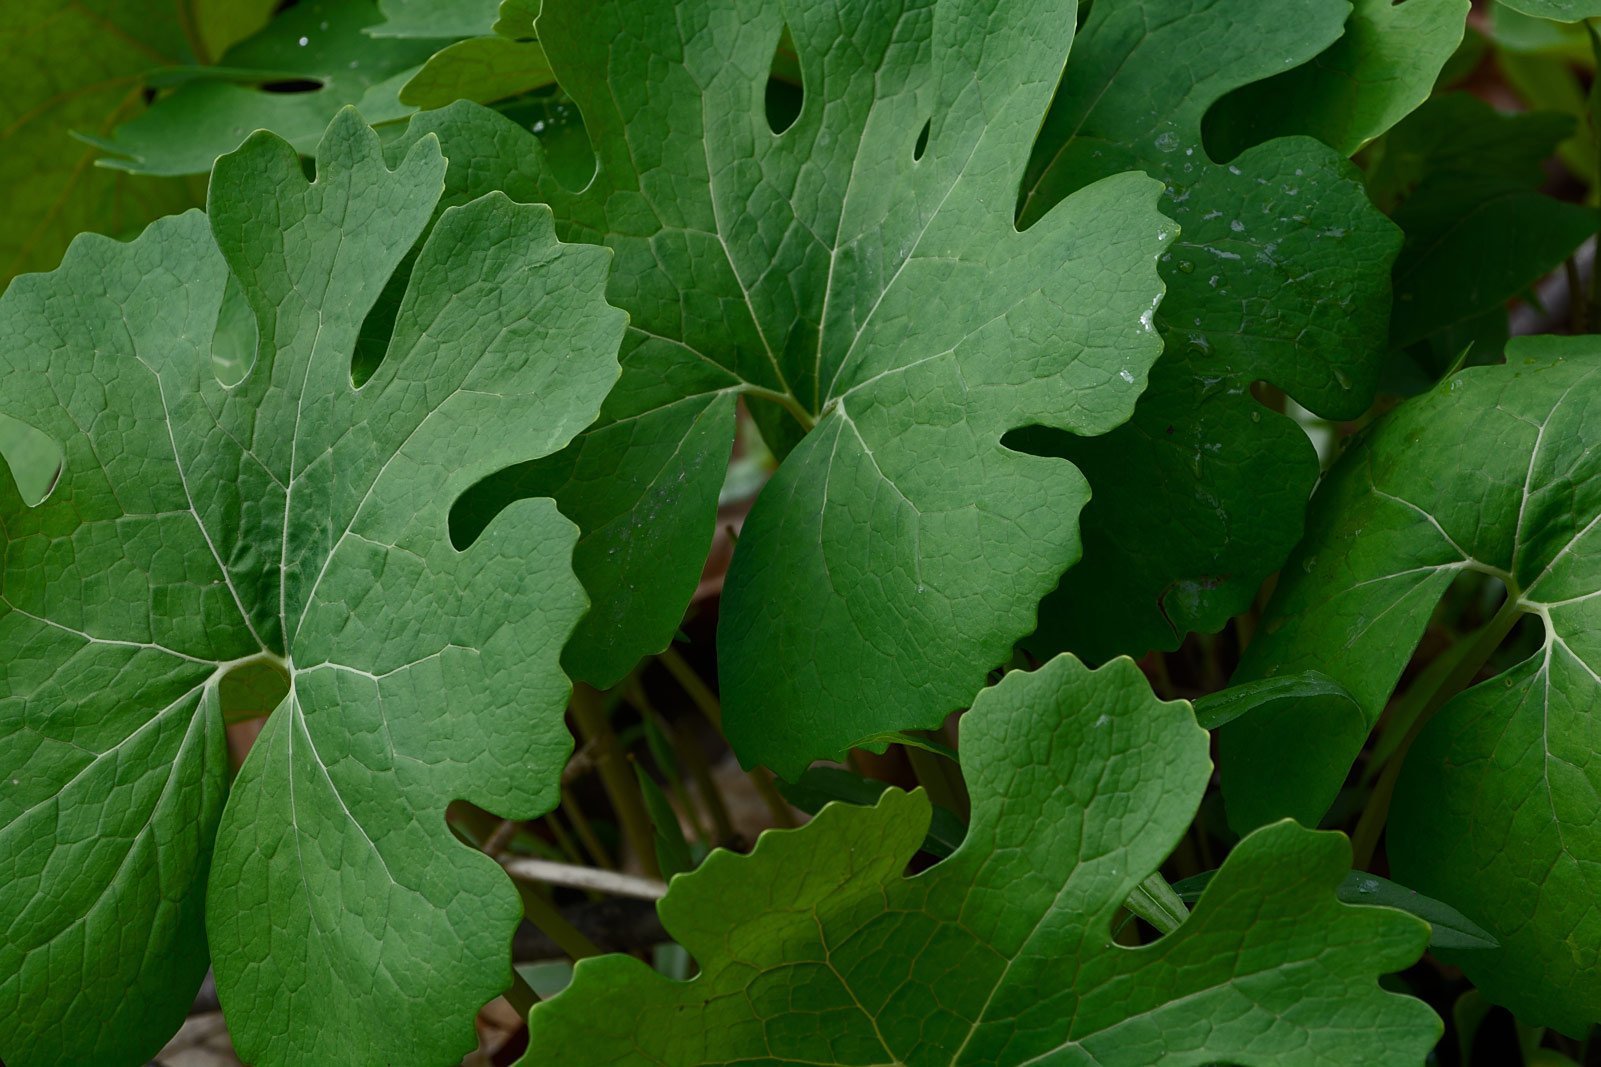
(316, 48)
(1381, 69)
(1082, 783)
(1448, 928)
(672, 850)
(1313, 692)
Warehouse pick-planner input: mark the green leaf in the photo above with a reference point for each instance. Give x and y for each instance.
(1082, 782)
(1496, 471)
(820, 786)
(1464, 182)
(76, 68)
(1280, 275)
(1557, 10)
(320, 42)
(436, 19)
(34, 459)
(1381, 69)
(834, 276)
(672, 850)
(498, 60)
(1448, 928)
(1312, 691)
(481, 69)
(294, 522)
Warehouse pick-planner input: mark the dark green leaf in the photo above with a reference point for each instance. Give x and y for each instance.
(1496, 471)
(1280, 275)
(816, 949)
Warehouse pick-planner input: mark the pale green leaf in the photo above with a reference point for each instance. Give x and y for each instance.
(435, 19)
(816, 949)
(1496, 471)
(294, 523)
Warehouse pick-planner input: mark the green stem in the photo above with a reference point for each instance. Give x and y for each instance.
(702, 697)
(544, 914)
(586, 833)
(934, 773)
(564, 841)
(1365, 841)
(616, 776)
(783, 400)
(521, 995)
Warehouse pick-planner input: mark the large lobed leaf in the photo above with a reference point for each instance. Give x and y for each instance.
(287, 523)
(816, 949)
(862, 270)
(1498, 471)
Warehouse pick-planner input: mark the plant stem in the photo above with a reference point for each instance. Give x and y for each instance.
(587, 878)
(1365, 841)
(521, 995)
(545, 915)
(934, 773)
(704, 699)
(564, 840)
(586, 833)
(783, 400)
(616, 776)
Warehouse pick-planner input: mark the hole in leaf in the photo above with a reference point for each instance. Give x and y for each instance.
(379, 326)
(292, 85)
(922, 141)
(233, 342)
(786, 90)
(34, 459)
(252, 690)
(475, 509)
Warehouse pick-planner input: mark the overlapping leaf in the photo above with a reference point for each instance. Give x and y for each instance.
(1465, 184)
(1281, 275)
(816, 949)
(1557, 10)
(1381, 68)
(292, 525)
(289, 78)
(497, 57)
(1498, 470)
(76, 68)
(860, 272)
